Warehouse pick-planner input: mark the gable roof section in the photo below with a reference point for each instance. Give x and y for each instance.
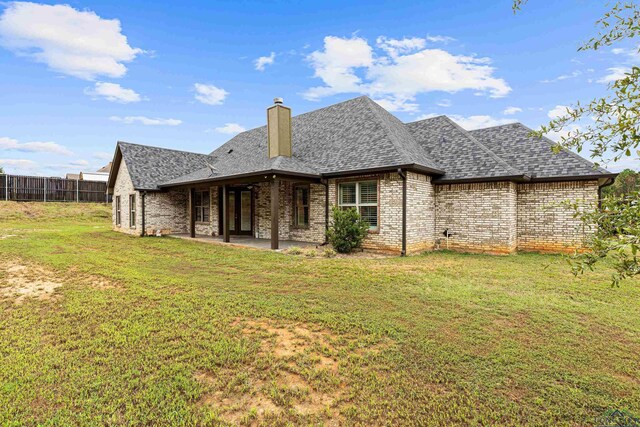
(150, 166)
(534, 156)
(458, 152)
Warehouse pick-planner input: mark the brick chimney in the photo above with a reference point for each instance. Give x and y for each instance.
(279, 129)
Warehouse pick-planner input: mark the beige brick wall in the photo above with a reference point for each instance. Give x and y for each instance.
(123, 187)
(421, 215)
(388, 237)
(262, 223)
(482, 216)
(166, 211)
(544, 223)
(497, 217)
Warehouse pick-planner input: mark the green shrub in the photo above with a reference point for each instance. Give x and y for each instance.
(347, 230)
(311, 253)
(294, 250)
(329, 253)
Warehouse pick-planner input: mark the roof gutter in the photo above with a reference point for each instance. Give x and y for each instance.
(413, 167)
(246, 175)
(516, 178)
(403, 175)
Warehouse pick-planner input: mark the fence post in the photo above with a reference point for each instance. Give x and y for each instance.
(6, 187)
(77, 191)
(45, 189)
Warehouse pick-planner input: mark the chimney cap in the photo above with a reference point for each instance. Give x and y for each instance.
(278, 101)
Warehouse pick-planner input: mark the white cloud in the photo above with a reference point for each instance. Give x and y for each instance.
(102, 155)
(230, 128)
(18, 166)
(263, 61)
(480, 121)
(79, 162)
(558, 111)
(568, 129)
(394, 47)
(210, 94)
(571, 75)
(72, 42)
(615, 73)
(33, 147)
(511, 110)
(444, 103)
(398, 71)
(147, 121)
(632, 163)
(113, 92)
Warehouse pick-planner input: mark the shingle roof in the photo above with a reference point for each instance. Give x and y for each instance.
(150, 166)
(534, 156)
(460, 154)
(358, 135)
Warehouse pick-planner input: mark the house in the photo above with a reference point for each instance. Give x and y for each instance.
(419, 185)
(101, 174)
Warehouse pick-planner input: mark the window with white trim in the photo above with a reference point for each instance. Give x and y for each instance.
(202, 205)
(132, 210)
(363, 196)
(118, 215)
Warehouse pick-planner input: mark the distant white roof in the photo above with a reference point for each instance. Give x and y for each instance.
(94, 176)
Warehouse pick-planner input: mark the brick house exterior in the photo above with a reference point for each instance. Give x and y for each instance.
(421, 186)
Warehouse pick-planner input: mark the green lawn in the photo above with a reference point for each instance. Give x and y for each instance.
(157, 331)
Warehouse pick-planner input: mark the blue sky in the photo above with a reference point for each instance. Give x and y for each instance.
(80, 76)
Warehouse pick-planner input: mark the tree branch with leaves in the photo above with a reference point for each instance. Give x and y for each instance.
(610, 126)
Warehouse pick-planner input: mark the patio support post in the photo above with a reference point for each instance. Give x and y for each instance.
(275, 212)
(225, 214)
(192, 207)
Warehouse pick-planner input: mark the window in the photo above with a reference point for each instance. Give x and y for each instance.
(301, 206)
(362, 196)
(132, 210)
(202, 205)
(118, 216)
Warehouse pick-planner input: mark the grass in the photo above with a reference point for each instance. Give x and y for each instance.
(187, 333)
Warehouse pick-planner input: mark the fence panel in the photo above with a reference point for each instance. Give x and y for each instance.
(41, 189)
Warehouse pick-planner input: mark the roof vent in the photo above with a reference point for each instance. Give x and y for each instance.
(278, 101)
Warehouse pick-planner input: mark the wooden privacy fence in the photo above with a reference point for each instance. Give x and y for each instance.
(41, 189)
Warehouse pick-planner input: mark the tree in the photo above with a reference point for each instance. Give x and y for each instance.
(1, 170)
(611, 125)
(626, 183)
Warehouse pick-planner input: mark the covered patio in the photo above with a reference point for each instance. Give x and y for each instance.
(265, 210)
(245, 241)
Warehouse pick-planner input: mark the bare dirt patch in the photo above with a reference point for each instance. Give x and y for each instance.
(20, 280)
(298, 374)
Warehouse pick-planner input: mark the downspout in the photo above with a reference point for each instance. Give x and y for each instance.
(403, 175)
(325, 182)
(607, 183)
(143, 232)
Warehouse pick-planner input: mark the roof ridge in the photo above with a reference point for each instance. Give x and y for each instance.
(385, 127)
(484, 147)
(161, 148)
(428, 118)
(497, 126)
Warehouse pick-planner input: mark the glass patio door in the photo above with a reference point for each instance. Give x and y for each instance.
(240, 212)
